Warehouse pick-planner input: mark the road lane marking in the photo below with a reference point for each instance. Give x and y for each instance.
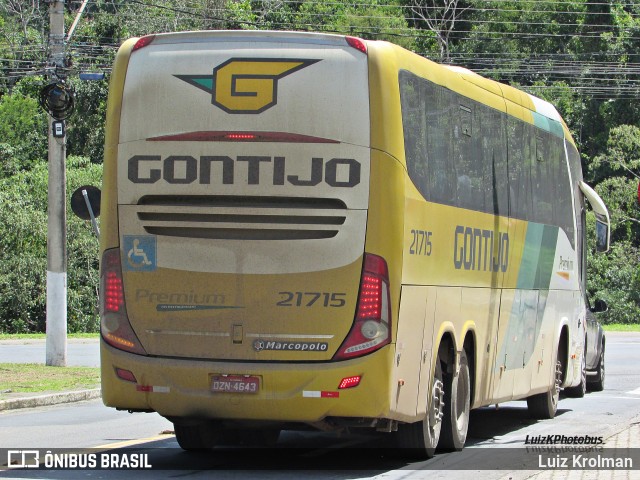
(635, 392)
(621, 398)
(139, 441)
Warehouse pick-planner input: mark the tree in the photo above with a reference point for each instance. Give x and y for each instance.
(617, 173)
(85, 132)
(23, 252)
(441, 18)
(23, 132)
(22, 33)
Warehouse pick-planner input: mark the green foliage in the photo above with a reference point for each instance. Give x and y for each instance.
(615, 278)
(23, 132)
(85, 131)
(623, 150)
(23, 252)
(616, 172)
(371, 19)
(23, 256)
(22, 29)
(523, 29)
(83, 255)
(143, 17)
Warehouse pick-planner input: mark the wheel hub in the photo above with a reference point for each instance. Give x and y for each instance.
(437, 402)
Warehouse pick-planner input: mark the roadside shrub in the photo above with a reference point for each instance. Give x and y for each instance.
(23, 131)
(23, 252)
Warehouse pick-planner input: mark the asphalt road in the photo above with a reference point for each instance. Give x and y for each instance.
(80, 352)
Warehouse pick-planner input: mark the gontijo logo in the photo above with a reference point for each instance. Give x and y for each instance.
(246, 85)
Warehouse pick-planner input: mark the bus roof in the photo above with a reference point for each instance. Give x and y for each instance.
(249, 36)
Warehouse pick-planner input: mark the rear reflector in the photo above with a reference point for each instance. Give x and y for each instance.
(126, 375)
(320, 394)
(350, 382)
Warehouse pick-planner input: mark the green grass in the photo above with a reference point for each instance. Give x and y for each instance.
(621, 327)
(42, 336)
(31, 377)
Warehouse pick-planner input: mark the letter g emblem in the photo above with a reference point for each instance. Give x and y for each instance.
(245, 85)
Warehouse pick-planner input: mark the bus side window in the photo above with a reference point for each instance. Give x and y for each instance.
(495, 184)
(516, 164)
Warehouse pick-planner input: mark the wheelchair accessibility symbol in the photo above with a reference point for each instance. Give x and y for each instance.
(140, 253)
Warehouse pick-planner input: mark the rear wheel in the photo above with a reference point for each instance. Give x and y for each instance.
(419, 439)
(457, 404)
(545, 405)
(196, 435)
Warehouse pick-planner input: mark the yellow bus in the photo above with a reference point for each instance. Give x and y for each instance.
(308, 230)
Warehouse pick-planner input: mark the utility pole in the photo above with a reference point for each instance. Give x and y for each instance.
(56, 346)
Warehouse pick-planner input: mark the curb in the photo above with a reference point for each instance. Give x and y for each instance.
(50, 399)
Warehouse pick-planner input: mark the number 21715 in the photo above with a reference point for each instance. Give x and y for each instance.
(420, 242)
(307, 299)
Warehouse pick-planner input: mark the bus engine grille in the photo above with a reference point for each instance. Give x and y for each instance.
(241, 218)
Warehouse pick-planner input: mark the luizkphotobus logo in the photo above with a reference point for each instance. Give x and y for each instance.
(246, 85)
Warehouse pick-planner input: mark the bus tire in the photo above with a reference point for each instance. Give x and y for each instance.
(579, 390)
(419, 439)
(196, 435)
(597, 384)
(457, 405)
(544, 406)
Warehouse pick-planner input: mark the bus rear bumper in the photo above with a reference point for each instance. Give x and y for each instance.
(287, 392)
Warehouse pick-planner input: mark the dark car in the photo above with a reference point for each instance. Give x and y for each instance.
(593, 359)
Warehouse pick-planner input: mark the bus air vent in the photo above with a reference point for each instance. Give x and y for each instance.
(241, 218)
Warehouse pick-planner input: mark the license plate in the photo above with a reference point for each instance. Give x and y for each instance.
(235, 384)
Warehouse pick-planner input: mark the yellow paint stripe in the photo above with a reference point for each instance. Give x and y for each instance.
(139, 441)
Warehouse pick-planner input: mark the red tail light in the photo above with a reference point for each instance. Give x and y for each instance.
(113, 293)
(114, 323)
(357, 43)
(143, 42)
(371, 329)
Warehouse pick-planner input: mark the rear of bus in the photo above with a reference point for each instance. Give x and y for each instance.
(235, 280)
